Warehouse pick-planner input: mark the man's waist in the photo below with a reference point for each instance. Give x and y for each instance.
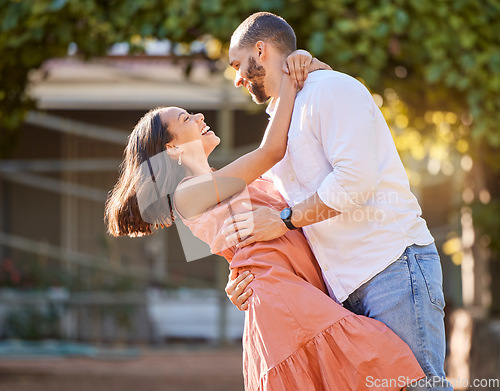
(340, 242)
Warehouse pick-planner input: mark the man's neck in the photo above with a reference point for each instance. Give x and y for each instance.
(274, 76)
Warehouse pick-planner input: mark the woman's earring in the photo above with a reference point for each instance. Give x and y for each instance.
(180, 158)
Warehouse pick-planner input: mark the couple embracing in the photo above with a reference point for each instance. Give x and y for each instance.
(337, 271)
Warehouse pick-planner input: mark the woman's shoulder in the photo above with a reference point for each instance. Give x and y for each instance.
(181, 198)
(263, 184)
(200, 194)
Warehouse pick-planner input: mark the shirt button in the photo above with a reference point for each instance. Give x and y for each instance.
(325, 267)
(292, 178)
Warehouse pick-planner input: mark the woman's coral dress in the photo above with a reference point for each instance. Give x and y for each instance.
(296, 337)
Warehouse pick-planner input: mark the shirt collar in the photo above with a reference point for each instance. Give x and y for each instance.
(271, 107)
(313, 76)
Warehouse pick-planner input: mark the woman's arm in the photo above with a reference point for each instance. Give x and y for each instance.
(196, 195)
(273, 146)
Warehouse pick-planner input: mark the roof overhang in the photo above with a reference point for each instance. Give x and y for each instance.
(129, 83)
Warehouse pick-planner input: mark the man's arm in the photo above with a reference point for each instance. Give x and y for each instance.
(311, 209)
(266, 223)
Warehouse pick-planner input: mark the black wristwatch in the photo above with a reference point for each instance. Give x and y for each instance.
(286, 216)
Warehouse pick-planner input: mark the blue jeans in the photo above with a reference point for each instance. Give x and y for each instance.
(408, 297)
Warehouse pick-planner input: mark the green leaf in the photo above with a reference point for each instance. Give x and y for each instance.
(494, 62)
(467, 39)
(401, 20)
(468, 61)
(434, 72)
(317, 43)
(57, 5)
(381, 30)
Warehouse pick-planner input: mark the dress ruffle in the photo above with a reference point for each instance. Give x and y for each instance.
(351, 354)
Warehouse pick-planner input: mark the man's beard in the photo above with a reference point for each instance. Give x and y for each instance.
(255, 75)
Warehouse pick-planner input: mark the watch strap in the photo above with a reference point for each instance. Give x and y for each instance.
(288, 221)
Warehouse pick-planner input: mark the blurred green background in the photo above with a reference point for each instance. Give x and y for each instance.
(433, 68)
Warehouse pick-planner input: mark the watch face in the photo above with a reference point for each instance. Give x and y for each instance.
(286, 213)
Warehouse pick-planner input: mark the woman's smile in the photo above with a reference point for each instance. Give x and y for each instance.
(205, 129)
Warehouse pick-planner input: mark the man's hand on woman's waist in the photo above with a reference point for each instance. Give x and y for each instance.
(259, 224)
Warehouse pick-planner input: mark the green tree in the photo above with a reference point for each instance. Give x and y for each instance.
(441, 58)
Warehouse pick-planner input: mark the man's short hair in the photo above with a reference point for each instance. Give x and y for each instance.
(265, 26)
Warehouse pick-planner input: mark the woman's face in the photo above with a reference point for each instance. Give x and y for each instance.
(186, 128)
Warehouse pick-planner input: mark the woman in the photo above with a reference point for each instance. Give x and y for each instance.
(296, 337)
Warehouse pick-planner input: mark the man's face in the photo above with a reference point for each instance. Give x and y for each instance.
(249, 73)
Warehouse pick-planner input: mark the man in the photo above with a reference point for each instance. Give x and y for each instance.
(349, 193)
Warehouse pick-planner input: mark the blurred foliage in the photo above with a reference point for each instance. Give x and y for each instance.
(487, 216)
(441, 55)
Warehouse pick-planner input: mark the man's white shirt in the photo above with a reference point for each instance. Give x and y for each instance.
(340, 146)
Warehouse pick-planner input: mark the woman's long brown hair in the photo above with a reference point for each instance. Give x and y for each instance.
(122, 215)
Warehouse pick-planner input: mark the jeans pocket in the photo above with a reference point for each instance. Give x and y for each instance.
(430, 266)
